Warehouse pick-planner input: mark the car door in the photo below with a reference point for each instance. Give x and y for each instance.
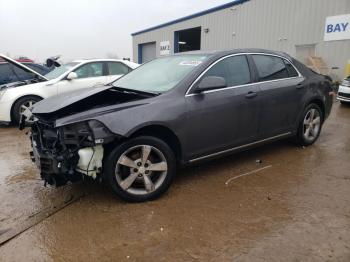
(227, 117)
(282, 89)
(88, 75)
(116, 70)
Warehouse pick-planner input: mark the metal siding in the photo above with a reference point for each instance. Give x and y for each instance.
(261, 23)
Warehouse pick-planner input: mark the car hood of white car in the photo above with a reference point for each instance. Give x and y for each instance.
(29, 88)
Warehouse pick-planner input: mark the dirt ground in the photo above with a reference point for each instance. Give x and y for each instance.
(296, 208)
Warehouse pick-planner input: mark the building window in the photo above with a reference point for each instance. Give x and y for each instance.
(187, 40)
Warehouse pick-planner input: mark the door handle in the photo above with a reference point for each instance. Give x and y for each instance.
(300, 86)
(251, 94)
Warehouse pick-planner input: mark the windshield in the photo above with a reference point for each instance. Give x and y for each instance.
(60, 70)
(160, 75)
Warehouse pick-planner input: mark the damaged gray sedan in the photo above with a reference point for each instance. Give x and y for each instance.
(173, 111)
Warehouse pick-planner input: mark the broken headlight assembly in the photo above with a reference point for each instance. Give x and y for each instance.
(90, 149)
(101, 134)
(87, 133)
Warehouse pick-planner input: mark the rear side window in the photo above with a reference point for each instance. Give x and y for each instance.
(90, 70)
(234, 69)
(116, 68)
(270, 67)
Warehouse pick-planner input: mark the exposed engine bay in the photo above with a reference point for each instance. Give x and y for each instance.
(68, 153)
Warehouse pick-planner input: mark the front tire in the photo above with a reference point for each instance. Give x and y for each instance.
(24, 103)
(310, 125)
(140, 169)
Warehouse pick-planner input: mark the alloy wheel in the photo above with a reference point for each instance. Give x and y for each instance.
(25, 109)
(141, 169)
(312, 124)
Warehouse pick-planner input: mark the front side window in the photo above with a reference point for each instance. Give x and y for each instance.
(90, 70)
(234, 69)
(116, 68)
(270, 67)
(160, 75)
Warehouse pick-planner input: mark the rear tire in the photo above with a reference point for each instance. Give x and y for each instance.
(140, 169)
(22, 104)
(310, 125)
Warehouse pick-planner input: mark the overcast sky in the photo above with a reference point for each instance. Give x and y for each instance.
(81, 28)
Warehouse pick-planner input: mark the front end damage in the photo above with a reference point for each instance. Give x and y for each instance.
(68, 153)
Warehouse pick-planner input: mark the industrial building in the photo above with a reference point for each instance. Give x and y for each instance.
(317, 32)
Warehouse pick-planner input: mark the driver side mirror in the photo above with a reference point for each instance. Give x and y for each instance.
(210, 83)
(72, 75)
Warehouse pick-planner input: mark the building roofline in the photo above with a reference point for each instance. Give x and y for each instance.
(208, 11)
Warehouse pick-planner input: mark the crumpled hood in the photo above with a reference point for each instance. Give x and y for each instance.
(55, 103)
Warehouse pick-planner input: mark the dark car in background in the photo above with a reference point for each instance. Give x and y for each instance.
(174, 111)
(10, 73)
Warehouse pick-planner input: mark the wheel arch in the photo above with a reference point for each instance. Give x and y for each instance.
(320, 103)
(315, 100)
(21, 97)
(164, 133)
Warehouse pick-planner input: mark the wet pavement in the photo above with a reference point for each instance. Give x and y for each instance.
(296, 207)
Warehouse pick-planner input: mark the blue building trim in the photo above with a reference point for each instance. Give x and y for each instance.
(176, 41)
(208, 11)
(139, 54)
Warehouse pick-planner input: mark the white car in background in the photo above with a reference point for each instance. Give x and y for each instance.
(344, 91)
(16, 99)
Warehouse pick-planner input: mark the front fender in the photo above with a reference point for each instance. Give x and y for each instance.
(124, 120)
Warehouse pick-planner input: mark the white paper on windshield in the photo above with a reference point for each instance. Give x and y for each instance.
(190, 63)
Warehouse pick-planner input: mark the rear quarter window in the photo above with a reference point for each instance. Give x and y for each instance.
(291, 70)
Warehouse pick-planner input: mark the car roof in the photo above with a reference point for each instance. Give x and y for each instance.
(96, 60)
(236, 51)
(129, 63)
